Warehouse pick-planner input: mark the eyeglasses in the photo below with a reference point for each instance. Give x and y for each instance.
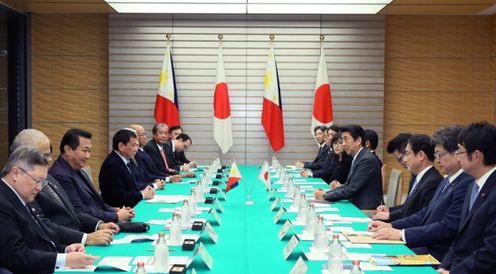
(37, 181)
(400, 159)
(458, 152)
(48, 156)
(439, 155)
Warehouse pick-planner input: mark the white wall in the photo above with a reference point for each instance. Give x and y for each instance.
(355, 61)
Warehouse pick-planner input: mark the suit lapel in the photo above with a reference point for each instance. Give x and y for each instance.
(440, 196)
(16, 203)
(65, 200)
(481, 198)
(353, 166)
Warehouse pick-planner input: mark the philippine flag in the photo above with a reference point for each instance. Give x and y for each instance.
(272, 119)
(166, 104)
(234, 177)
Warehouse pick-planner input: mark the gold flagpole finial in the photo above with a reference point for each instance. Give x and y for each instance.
(220, 36)
(271, 37)
(168, 36)
(322, 37)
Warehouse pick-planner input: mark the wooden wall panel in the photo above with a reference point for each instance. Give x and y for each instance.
(439, 71)
(70, 78)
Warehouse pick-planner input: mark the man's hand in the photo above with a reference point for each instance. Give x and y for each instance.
(188, 174)
(148, 193)
(159, 183)
(193, 164)
(100, 237)
(319, 194)
(375, 226)
(443, 271)
(383, 208)
(185, 167)
(124, 214)
(175, 178)
(387, 233)
(112, 226)
(304, 173)
(384, 216)
(299, 164)
(79, 260)
(335, 184)
(75, 248)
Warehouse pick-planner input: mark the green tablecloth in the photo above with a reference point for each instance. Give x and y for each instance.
(248, 241)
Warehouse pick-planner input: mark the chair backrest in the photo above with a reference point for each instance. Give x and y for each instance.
(393, 186)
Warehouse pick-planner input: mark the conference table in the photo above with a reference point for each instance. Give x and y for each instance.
(248, 241)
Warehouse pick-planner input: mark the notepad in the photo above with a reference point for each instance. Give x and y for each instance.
(367, 239)
(168, 199)
(404, 260)
(111, 262)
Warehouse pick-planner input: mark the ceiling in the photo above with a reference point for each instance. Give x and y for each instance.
(400, 7)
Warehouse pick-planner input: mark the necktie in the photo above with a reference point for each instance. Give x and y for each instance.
(164, 158)
(473, 195)
(413, 184)
(444, 184)
(49, 189)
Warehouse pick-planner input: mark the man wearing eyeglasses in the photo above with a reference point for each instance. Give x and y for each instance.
(54, 203)
(474, 248)
(28, 244)
(432, 229)
(419, 159)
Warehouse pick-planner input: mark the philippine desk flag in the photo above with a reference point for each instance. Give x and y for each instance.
(234, 177)
(166, 104)
(264, 175)
(272, 120)
(222, 109)
(322, 100)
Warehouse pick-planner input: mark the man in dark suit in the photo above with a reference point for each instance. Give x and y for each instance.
(320, 158)
(432, 229)
(474, 248)
(180, 155)
(180, 143)
(145, 171)
(29, 245)
(371, 142)
(363, 186)
(155, 148)
(75, 150)
(53, 202)
(118, 185)
(419, 157)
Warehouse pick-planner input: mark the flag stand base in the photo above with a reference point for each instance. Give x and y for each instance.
(248, 200)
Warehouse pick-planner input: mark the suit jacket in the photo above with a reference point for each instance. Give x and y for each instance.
(181, 157)
(145, 162)
(320, 159)
(334, 169)
(117, 184)
(419, 197)
(474, 248)
(171, 156)
(63, 213)
(26, 246)
(363, 186)
(152, 149)
(81, 191)
(431, 230)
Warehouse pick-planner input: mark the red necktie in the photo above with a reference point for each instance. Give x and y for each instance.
(163, 158)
